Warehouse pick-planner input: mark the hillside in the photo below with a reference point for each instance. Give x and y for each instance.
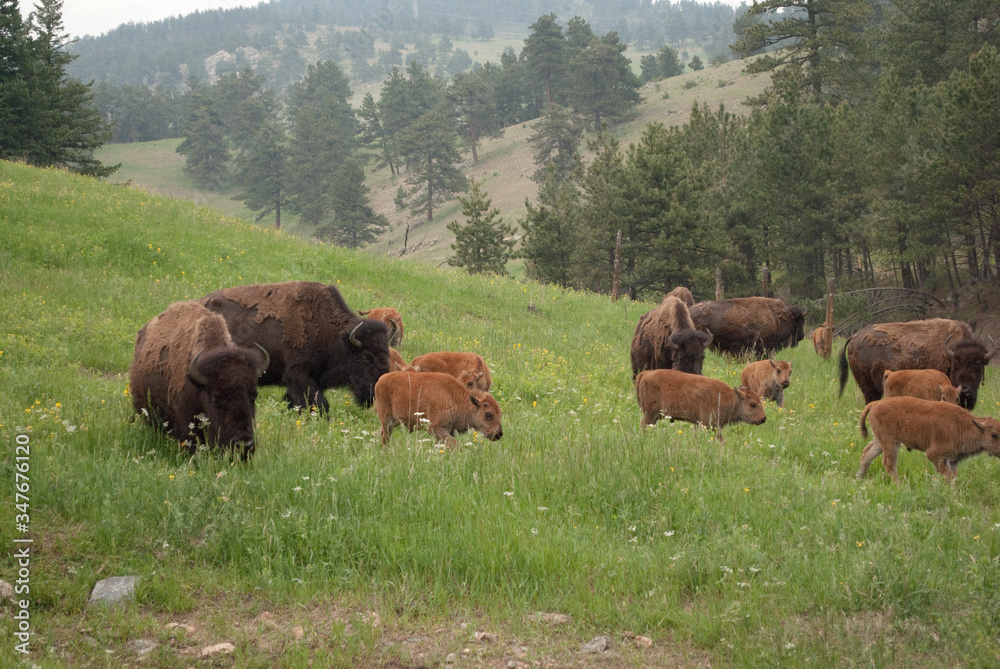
(329, 549)
(505, 163)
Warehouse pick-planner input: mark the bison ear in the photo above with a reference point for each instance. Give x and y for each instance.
(774, 365)
(475, 402)
(741, 392)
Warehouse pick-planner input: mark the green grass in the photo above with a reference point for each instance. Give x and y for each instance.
(763, 551)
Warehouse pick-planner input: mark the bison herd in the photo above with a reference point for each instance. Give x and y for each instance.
(198, 364)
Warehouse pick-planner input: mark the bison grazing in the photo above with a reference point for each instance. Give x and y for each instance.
(454, 363)
(314, 339)
(938, 343)
(666, 338)
(946, 433)
(768, 378)
(439, 401)
(695, 399)
(392, 320)
(756, 325)
(927, 384)
(188, 377)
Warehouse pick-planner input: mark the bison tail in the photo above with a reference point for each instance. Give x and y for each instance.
(863, 419)
(843, 368)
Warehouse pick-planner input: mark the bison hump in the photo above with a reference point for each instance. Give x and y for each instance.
(297, 305)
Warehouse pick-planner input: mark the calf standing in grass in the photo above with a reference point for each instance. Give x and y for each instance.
(454, 363)
(695, 399)
(945, 432)
(927, 384)
(768, 378)
(440, 401)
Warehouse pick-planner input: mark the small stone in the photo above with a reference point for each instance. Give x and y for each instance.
(216, 648)
(451, 659)
(6, 590)
(180, 626)
(142, 647)
(113, 591)
(643, 641)
(486, 637)
(298, 632)
(598, 645)
(553, 618)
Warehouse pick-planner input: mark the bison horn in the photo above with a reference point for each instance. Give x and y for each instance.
(991, 351)
(672, 340)
(394, 330)
(195, 373)
(267, 360)
(708, 342)
(947, 349)
(353, 337)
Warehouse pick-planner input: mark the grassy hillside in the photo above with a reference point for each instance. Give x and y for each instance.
(505, 163)
(327, 549)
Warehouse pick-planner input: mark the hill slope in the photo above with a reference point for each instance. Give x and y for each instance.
(328, 549)
(505, 164)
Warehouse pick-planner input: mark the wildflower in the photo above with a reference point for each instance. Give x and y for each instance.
(668, 533)
(508, 493)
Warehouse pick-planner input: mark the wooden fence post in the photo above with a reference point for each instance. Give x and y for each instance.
(828, 325)
(616, 278)
(718, 283)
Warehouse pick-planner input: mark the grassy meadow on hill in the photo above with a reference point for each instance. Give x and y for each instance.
(327, 549)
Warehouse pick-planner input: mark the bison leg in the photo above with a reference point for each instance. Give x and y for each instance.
(781, 398)
(868, 455)
(303, 392)
(944, 464)
(889, 453)
(388, 423)
(441, 434)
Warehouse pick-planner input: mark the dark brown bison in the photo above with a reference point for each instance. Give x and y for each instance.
(947, 434)
(668, 393)
(666, 338)
(759, 326)
(938, 343)
(189, 378)
(314, 339)
(392, 319)
(442, 403)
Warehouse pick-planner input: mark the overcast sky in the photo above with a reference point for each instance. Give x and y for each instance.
(94, 17)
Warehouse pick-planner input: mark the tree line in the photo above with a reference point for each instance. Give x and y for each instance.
(306, 152)
(871, 158)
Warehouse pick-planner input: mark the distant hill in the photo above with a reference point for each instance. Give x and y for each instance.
(505, 164)
(280, 38)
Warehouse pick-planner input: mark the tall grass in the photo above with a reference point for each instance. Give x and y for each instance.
(761, 551)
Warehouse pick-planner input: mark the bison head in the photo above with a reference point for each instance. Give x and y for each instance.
(687, 348)
(364, 358)
(226, 385)
(487, 419)
(967, 359)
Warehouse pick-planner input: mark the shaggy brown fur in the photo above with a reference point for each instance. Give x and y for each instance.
(682, 294)
(171, 339)
(946, 433)
(756, 325)
(666, 338)
(927, 384)
(768, 378)
(293, 303)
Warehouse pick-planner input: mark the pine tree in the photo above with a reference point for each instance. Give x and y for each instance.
(484, 244)
(351, 221)
(601, 83)
(551, 230)
(46, 118)
(261, 172)
(472, 101)
(430, 148)
(545, 54)
(205, 146)
(555, 140)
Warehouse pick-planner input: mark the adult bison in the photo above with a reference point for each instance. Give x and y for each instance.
(314, 339)
(937, 343)
(666, 338)
(756, 325)
(189, 378)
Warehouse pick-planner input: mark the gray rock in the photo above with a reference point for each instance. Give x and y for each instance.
(113, 591)
(598, 645)
(142, 647)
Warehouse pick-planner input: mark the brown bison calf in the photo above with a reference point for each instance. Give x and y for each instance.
(819, 341)
(768, 378)
(396, 362)
(454, 363)
(946, 433)
(439, 401)
(392, 319)
(927, 384)
(695, 399)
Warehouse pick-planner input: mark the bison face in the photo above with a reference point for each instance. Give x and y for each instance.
(968, 366)
(687, 349)
(991, 435)
(487, 420)
(798, 315)
(365, 358)
(226, 383)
